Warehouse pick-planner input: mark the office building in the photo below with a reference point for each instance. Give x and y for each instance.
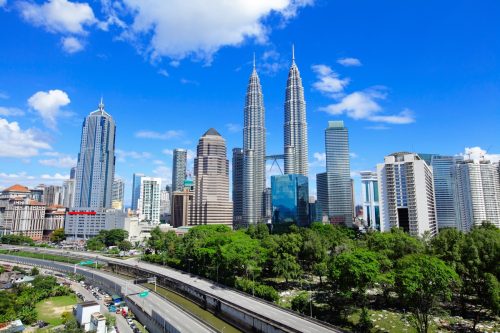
(72, 173)
(237, 187)
(477, 186)
(84, 223)
(322, 193)
(53, 195)
(444, 191)
(149, 200)
(211, 171)
(182, 205)
(406, 194)
(136, 190)
(165, 205)
(268, 205)
(295, 129)
(69, 193)
(118, 194)
(370, 199)
(54, 219)
(96, 161)
(254, 150)
(179, 165)
(338, 172)
(290, 198)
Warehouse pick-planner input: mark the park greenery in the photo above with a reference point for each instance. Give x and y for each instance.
(336, 272)
(106, 238)
(20, 302)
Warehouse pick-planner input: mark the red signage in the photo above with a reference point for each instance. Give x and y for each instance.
(81, 213)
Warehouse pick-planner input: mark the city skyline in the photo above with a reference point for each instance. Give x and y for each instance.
(45, 139)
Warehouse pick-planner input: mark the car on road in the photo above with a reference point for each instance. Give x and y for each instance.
(130, 321)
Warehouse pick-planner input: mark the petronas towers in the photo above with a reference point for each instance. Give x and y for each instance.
(254, 142)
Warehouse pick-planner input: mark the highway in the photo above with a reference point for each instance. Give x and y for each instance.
(264, 309)
(153, 305)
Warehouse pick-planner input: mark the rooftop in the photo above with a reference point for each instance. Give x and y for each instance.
(212, 131)
(17, 188)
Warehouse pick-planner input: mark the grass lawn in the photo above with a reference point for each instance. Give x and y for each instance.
(386, 321)
(51, 309)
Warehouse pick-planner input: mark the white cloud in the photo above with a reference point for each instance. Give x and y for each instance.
(48, 105)
(319, 160)
(7, 111)
(22, 175)
(158, 162)
(3, 3)
(168, 152)
(329, 82)
(271, 62)
(171, 134)
(15, 142)
(71, 45)
(3, 94)
(357, 105)
(122, 155)
(477, 154)
(353, 155)
(60, 162)
(163, 72)
(59, 16)
(234, 128)
(179, 29)
(349, 62)
(404, 117)
(163, 172)
(56, 176)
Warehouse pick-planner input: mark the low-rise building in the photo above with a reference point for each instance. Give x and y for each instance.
(83, 313)
(97, 323)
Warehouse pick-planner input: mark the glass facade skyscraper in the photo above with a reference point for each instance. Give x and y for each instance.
(290, 199)
(338, 171)
(179, 166)
(136, 190)
(370, 194)
(442, 167)
(237, 178)
(96, 161)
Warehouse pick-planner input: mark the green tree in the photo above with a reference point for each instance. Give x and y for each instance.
(423, 281)
(94, 244)
(395, 244)
(124, 245)
(34, 271)
(352, 273)
(115, 236)
(58, 236)
(300, 302)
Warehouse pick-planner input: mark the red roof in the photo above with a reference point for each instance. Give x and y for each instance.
(17, 188)
(36, 203)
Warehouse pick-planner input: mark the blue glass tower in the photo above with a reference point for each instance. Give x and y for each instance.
(290, 199)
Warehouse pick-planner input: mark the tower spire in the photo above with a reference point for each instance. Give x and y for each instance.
(101, 105)
(254, 60)
(293, 53)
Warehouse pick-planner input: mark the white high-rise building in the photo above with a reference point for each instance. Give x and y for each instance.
(149, 200)
(370, 199)
(406, 189)
(211, 171)
(477, 186)
(96, 161)
(295, 129)
(254, 152)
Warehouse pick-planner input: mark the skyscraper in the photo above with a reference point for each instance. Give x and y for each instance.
(338, 171)
(370, 199)
(136, 190)
(296, 149)
(179, 164)
(322, 192)
(237, 187)
(69, 193)
(406, 193)
(53, 195)
(444, 191)
(148, 205)
(290, 199)
(96, 161)
(118, 194)
(477, 186)
(254, 150)
(211, 171)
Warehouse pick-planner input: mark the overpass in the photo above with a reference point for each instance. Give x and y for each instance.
(250, 314)
(158, 314)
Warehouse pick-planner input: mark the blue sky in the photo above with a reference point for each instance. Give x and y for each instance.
(413, 75)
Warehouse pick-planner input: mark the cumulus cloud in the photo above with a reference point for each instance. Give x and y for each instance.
(271, 62)
(16, 142)
(477, 154)
(178, 29)
(329, 82)
(56, 176)
(168, 152)
(319, 160)
(48, 105)
(122, 155)
(163, 172)
(71, 45)
(63, 161)
(234, 128)
(3, 94)
(59, 16)
(163, 72)
(171, 134)
(349, 62)
(404, 117)
(7, 111)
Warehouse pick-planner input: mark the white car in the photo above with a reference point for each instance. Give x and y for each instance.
(130, 321)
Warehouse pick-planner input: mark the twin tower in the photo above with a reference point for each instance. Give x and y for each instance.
(254, 141)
